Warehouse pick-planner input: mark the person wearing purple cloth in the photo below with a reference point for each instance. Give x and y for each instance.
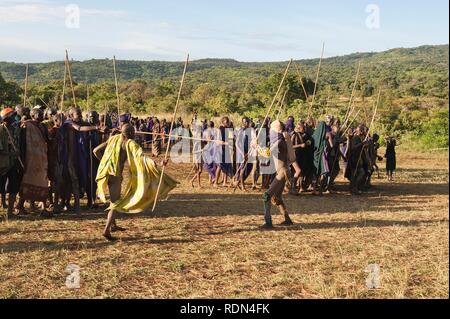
(209, 152)
(290, 125)
(244, 164)
(73, 157)
(225, 151)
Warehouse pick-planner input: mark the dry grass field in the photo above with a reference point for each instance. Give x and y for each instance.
(207, 244)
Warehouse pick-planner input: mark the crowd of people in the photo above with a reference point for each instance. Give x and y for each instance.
(319, 148)
(51, 159)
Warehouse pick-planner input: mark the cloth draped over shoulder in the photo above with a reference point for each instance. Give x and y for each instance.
(8, 161)
(72, 153)
(34, 182)
(319, 148)
(140, 191)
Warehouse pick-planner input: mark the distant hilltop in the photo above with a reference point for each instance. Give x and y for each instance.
(422, 70)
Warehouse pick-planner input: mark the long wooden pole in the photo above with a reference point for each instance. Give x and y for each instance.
(349, 111)
(275, 97)
(44, 103)
(117, 89)
(366, 115)
(87, 97)
(170, 132)
(245, 163)
(297, 68)
(64, 85)
(70, 79)
(352, 110)
(317, 80)
(91, 159)
(281, 104)
(344, 128)
(350, 102)
(374, 115)
(25, 92)
(106, 114)
(182, 137)
(179, 136)
(368, 132)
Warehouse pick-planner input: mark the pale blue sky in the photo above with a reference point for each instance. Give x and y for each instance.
(35, 30)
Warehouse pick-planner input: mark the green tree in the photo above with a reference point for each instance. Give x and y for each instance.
(9, 93)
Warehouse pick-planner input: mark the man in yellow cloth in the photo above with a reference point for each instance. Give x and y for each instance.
(142, 184)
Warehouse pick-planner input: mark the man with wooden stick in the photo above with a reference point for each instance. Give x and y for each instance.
(280, 156)
(141, 190)
(209, 152)
(156, 141)
(224, 152)
(166, 156)
(245, 157)
(11, 166)
(334, 154)
(93, 139)
(54, 165)
(355, 169)
(74, 157)
(304, 153)
(197, 150)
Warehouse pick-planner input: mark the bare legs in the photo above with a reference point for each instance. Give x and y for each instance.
(197, 176)
(255, 175)
(390, 175)
(225, 178)
(110, 222)
(114, 185)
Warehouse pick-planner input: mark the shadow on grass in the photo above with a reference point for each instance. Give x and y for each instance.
(383, 197)
(300, 227)
(386, 197)
(26, 246)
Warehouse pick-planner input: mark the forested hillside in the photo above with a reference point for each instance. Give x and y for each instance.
(414, 83)
(415, 71)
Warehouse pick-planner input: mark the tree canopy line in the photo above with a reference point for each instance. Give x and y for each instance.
(414, 82)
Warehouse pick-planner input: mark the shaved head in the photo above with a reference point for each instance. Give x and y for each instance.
(128, 131)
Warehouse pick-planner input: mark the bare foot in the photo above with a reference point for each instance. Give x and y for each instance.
(109, 237)
(19, 211)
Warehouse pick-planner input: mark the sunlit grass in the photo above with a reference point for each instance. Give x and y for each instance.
(206, 243)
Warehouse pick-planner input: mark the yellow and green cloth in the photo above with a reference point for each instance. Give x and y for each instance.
(143, 181)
